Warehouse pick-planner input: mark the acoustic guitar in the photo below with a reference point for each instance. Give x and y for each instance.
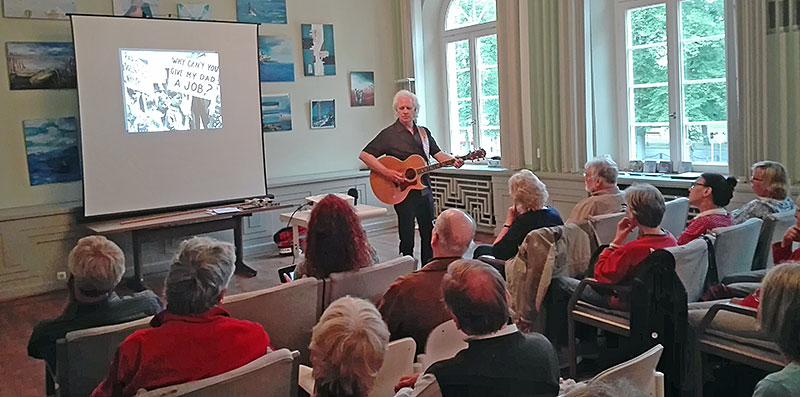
(413, 168)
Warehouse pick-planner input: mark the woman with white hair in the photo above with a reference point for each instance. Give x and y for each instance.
(528, 213)
(194, 338)
(770, 182)
(347, 348)
(96, 266)
(402, 139)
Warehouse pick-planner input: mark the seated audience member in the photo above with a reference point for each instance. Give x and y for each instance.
(335, 241)
(605, 197)
(617, 263)
(500, 360)
(96, 266)
(528, 213)
(710, 193)
(413, 305)
(780, 318)
(347, 348)
(193, 338)
(782, 250)
(771, 185)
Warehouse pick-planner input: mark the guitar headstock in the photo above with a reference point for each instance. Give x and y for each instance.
(475, 155)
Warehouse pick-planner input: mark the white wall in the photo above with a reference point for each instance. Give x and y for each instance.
(364, 41)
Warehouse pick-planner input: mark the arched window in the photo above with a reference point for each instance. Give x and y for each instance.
(470, 37)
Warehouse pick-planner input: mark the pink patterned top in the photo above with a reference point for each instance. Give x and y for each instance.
(704, 222)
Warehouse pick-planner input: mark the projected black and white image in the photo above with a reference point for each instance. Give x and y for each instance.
(167, 90)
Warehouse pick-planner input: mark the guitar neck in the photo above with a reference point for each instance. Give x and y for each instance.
(434, 167)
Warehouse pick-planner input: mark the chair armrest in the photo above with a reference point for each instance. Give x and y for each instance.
(491, 260)
(729, 307)
(595, 284)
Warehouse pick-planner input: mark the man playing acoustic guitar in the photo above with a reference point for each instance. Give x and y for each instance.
(402, 139)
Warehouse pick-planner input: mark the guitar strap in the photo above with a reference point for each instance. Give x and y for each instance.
(426, 144)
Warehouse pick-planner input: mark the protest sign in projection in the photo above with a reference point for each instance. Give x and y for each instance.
(168, 90)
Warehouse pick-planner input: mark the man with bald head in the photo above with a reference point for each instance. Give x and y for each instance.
(413, 305)
(500, 360)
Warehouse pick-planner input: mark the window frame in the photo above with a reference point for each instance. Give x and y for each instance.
(470, 33)
(674, 82)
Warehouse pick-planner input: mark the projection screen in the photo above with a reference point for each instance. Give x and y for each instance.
(169, 113)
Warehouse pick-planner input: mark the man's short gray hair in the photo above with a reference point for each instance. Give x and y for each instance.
(476, 295)
(406, 94)
(603, 167)
(780, 308)
(199, 274)
(527, 190)
(455, 229)
(96, 264)
(646, 203)
(347, 348)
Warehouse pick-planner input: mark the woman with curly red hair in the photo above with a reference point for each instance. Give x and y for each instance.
(335, 241)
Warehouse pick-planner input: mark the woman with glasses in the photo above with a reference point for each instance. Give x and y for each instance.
(710, 193)
(771, 184)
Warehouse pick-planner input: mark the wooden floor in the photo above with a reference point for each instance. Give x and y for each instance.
(21, 375)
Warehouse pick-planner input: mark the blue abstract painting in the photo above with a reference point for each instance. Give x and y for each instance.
(275, 58)
(33, 65)
(323, 113)
(261, 11)
(319, 58)
(276, 113)
(52, 147)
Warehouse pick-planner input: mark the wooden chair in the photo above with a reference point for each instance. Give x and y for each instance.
(717, 335)
(287, 312)
(657, 314)
(369, 283)
(84, 357)
(270, 375)
(772, 231)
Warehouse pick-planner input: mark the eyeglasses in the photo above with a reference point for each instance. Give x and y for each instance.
(698, 184)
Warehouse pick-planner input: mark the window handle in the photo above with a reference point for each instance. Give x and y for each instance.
(673, 115)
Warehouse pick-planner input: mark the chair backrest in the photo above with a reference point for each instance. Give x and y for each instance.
(605, 227)
(83, 357)
(397, 363)
(287, 312)
(270, 375)
(443, 342)
(735, 247)
(675, 215)
(691, 265)
(639, 371)
(369, 283)
(772, 231)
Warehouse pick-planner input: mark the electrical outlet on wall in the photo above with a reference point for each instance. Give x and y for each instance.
(61, 275)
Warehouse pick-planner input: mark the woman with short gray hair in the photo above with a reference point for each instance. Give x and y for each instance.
(528, 213)
(194, 338)
(770, 182)
(347, 348)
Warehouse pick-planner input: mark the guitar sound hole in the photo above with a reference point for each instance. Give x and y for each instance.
(410, 174)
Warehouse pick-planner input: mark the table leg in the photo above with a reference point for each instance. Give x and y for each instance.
(241, 268)
(137, 282)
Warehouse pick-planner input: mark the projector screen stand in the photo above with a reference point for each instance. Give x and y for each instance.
(178, 225)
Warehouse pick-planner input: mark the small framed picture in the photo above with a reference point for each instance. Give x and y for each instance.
(323, 113)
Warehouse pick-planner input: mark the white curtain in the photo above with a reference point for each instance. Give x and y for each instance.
(553, 84)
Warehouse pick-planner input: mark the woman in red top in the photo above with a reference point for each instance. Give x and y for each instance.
(194, 338)
(709, 193)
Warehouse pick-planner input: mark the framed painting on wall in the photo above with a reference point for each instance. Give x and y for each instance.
(362, 88)
(319, 58)
(261, 11)
(194, 12)
(38, 9)
(323, 113)
(275, 58)
(136, 8)
(35, 66)
(52, 149)
(276, 113)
